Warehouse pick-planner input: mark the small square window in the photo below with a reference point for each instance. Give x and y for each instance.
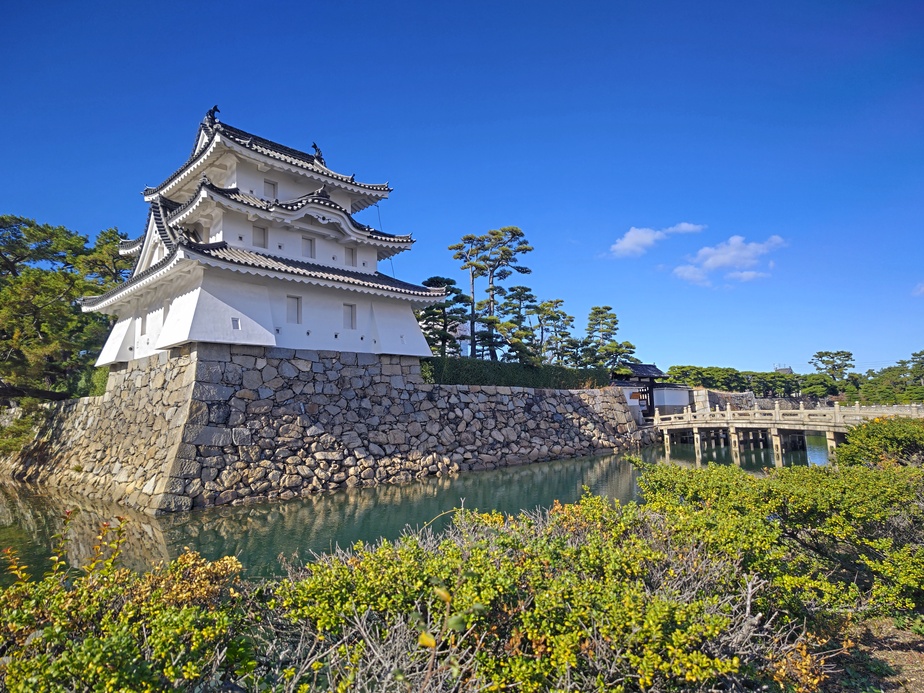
(235, 323)
(307, 246)
(294, 309)
(349, 316)
(349, 257)
(269, 189)
(259, 236)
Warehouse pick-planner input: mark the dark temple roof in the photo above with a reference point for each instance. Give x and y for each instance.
(645, 370)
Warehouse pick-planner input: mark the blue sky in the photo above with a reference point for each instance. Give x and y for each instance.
(742, 182)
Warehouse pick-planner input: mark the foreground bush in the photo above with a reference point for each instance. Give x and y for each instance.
(884, 442)
(720, 581)
(109, 629)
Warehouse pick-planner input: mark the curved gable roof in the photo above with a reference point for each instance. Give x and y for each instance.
(211, 130)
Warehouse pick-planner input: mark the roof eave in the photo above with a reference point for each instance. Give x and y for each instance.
(204, 259)
(94, 304)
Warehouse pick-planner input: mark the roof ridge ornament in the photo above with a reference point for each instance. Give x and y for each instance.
(211, 116)
(317, 154)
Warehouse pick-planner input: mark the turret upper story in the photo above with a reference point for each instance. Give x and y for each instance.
(257, 195)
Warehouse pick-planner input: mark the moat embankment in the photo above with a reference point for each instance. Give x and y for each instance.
(212, 424)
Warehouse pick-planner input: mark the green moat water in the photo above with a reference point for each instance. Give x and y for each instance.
(259, 533)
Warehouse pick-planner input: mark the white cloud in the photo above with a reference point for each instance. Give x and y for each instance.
(747, 275)
(636, 241)
(735, 255)
(692, 274)
(918, 290)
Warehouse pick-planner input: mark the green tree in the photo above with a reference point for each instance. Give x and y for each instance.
(440, 322)
(916, 367)
(499, 255)
(494, 256)
(468, 251)
(771, 383)
(516, 310)
(834, 364)
(47, 344)
(818, 385)
(900, 383)
(686, 375)
(600, 348)
(25, 243)
(552, 330)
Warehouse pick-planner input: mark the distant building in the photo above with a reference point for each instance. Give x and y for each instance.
(644, 393)
(784, 370)
(252, 242)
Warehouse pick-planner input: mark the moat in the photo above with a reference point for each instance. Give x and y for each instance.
(259, 533)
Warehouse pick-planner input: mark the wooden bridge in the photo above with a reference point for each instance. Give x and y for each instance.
(762, 428)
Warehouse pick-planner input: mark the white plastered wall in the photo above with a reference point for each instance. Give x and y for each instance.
(238, 308)
(237, 231)
(671, 397)
(382, 325)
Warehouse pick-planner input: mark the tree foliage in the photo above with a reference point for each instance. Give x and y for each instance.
(897, 384)
(441, 322)
(600, 347)
(834, 364)
(493, 256)
(900, 383)
(47, 345)
(513, 324)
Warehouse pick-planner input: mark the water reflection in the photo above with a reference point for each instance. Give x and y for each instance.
(258, 534)
(815, 453)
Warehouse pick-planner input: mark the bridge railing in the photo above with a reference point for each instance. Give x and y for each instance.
(837, 416)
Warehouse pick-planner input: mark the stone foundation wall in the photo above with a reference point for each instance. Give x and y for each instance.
(115, 447)
(215, 424)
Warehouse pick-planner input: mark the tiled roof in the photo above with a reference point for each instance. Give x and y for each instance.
(645, 370)
(270, 263)
(88, 302)
(317, 198)
(273, 150)
(131, 247)
(248, 258)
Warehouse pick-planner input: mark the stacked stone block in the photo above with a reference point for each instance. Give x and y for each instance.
(215, 424)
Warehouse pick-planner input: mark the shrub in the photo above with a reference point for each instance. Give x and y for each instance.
(884, 442)
(834, 542)
(109, 629)
(463, 371)
(20, 429)
(719, 581)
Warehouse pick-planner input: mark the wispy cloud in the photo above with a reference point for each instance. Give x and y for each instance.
(746, 275)
(636, 241)
(918, 290)
(692, 274)
(734, 255)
